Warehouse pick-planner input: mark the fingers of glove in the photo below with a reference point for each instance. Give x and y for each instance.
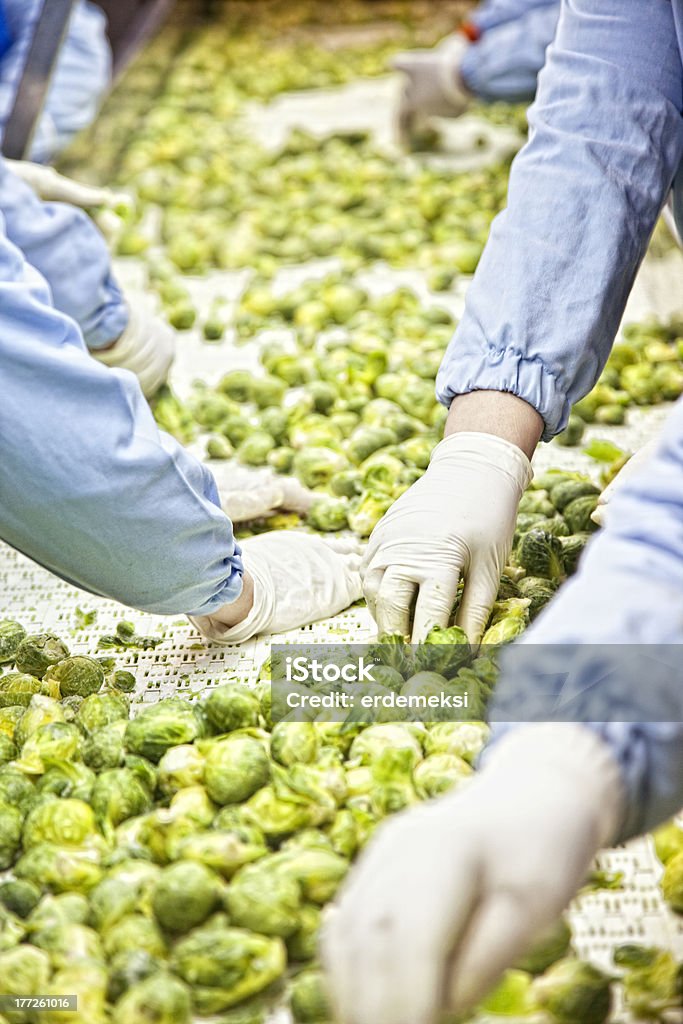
(479, 593)
(345, 546)
(434, 604)
(394, 603)
(372, 581)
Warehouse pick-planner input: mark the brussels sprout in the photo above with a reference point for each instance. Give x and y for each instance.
(184, 895)
(328, 514)
(24, 971)
(163, 725)
(274, 422)
(652, 987)
(303, 944)
(538, 591)
(387, 677)
(62, 822)
(565, 491)
(231, 707)
(417, 451)
(672, 882)
(127, 969)
(15, 789)
(541, 555)
(512, 996)
(237, 384)
(264, 900)
(61, 868)
(8, 750)
(318, 871)
(100, 710)
(346, 484)
(236, 429)
(219, 448)
(313, 430)
(223, 852)
(572, 549)
(508, 620)
(133, 931)
(281, 459)
(277, 817)
(254, 450)
(371, 743)
(234, 769)
(573, 433)
(160, 998)
(366, 440)
(104, 749)
(11, 823)
(443, 651)
(11, 636)
(323, 395)
(368, 512)
(308, 998)
(294, 741)
(552, 945)
(69, 943)
(19, 897)
(121, 680)
(438, 773)
(119, 794)
(315, 466)
(381, 473)
(668, 841)
(64, 908)
(77, 676)
(572, 990)
(227, 965)
(577, 514)
(37, 652)
(464, 739)
(179, 767)
(57, 741)
(41, 711)
(121, 891)
(9, 719)
(267, 391)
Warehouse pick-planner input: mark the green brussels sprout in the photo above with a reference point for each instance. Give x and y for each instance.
(512, 996)
(319, 871)
(573, 433)
(281, 459)
(439, 773)
(264, 900)
(668, 382)
(179, 767)
(552, 945)
(61, 868)
(612, 414)
(209, 409)
(572, 990)
(346, 484)
(89, 980)
(313, 430)
(254, 450)
(572, 549)
(9, 719)
(508, 620)
(277, 817)
(328, 514)
(274, 422)
(100, 710)
(56, 741)
(19, 897)
(541, 555)
(41, 711)
(37, 652)
(183, 895)
(308, 998)
(122, 680)
(373, 741)
(267, 391)
(381, 473)
(127, 969)
(668, 840)
(11, 823)
(62, 822)
(8, 750)
(237, 384)
(119, 794)
(225, 965)
(577, 514)
(323, 395)
(387, 677)
(315, 466)
(294, 741)
(236, 429)
(63, 908)
(163, 725)
(392, 783)
(16, 790)
(653, 986)
(104, 749)
(231, 707)
(366, 440)
(368, 511)
(69, 943)
(538, 591)
(537, 501)
(222, 851)
(234, 769)
(159, 998)
(133, 931)
(219, 448)
(565, 491)
(24, 971)
(293, 370)
(443, 651)
(77, 676)
(121, 891)
(12, 634)
(303, 944)
(672, 882)
(463, 739)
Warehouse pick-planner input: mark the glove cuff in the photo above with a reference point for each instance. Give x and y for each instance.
(571, 753)
(489, 449)
(257, 621)
(450, 54)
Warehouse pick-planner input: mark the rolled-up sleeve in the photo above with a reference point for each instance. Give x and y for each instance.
(89, 487)
(606, 139)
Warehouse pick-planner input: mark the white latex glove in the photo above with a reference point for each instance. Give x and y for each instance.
(51, 186)
(457, 520)
(450, 894)
(637, 462)
(298, 579)
(433, 87)
(146, 347)
(248, 494)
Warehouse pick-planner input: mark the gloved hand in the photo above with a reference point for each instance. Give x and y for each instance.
(450, 894)
(637, 462)
(146, 347)
(433, 86)
(457, 520)
(298, 578)
(51, 186)
(248, 494)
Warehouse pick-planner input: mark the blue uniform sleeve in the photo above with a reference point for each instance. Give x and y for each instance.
(65, 246)
(89, 487)
(614, 636)
(81, 77)
(494, 13)
(605, 142)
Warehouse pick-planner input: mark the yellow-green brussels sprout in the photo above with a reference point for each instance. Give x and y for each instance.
(121, 892)
(303, 944)
(133, 931)
(160, 998)
(277, 817)
(63, 908)
(183, 895)
(62, 822)
(222, 851)
(180, 766)
(323, 395)
(38, 651)
(61, 868)
(568, 489)
(318, 870)
(104, 748)
(387, 677)
(553, 945)
(573, 990)
(210, 408)
(323, 784)
(343, 834)
(417, 451)
(100, 710)
(9, 719)
(19, 897)
(11, 636)
(254, 450)
(119, 794)
(577, 514)
(346, 484)
(275, 422)
(89, 980)
(672, 882)
(232, 707)
(371, 743)
(68, 943)
(511, 997)
(392, 788)
(264, 900)
(668, 840)
(281, 459)
(294, 741)
(368, 511)
(234, 769)
(381, 473)
(443, 651)
(463, 739)
(24, 971)
(57, 741)
(77, 676)
(366, 440)
(127, 969)
(163, 725)
(315, 466)
(8, 750)
(308, 998)
(41, 711)
(237, 384)
(16, 790)
(143, 769)
(17, 688)
(267, 391)
(11, 823)
(292, 369)
(219, 448)
(328, 514)
(225, 965)
(652, 984)
(438, 773)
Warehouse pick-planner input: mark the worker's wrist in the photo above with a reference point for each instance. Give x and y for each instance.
(498, 413)
(237, 611)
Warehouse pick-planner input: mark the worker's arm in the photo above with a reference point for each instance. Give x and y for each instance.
(493, 13)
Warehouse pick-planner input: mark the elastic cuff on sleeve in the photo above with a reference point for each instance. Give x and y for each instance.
(111, 322)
